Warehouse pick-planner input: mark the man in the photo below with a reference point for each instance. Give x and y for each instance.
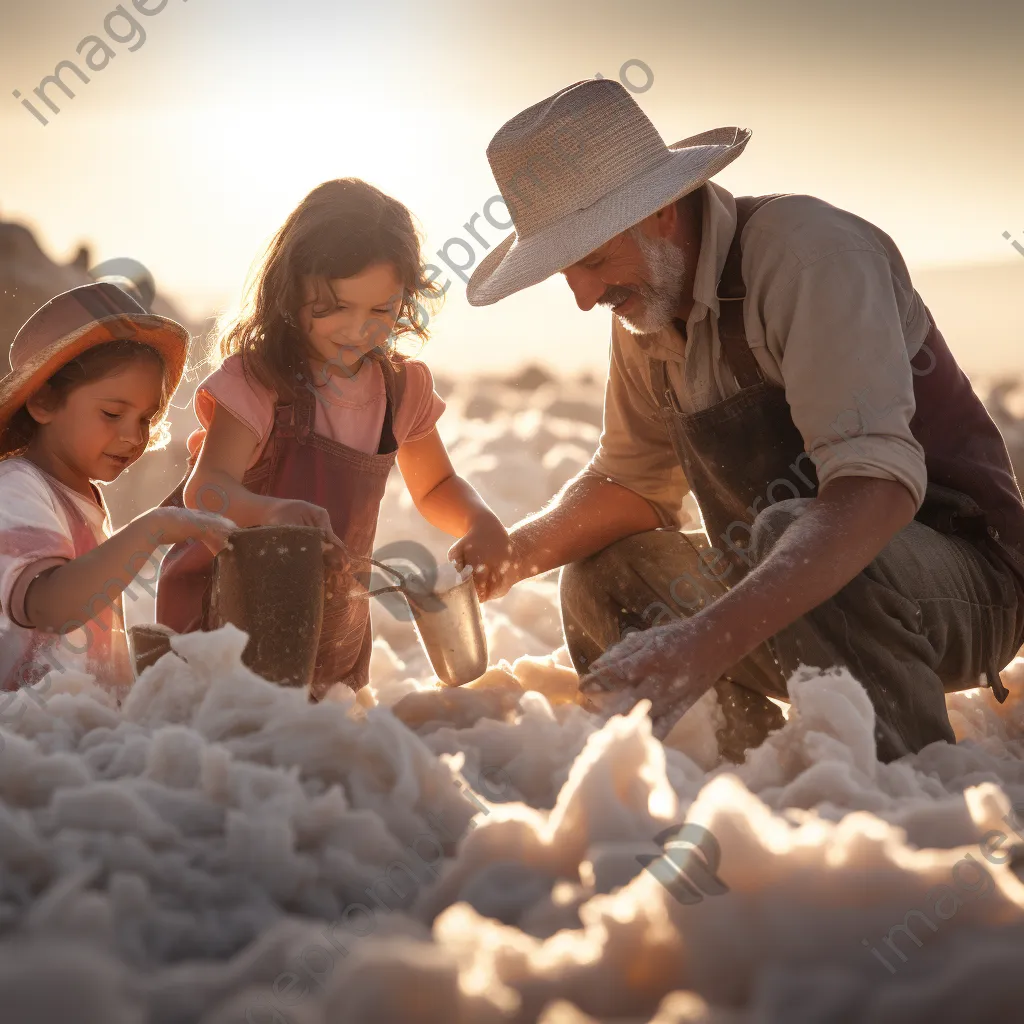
(773, 358)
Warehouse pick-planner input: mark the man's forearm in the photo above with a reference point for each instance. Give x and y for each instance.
(838, 536)
(586, 516)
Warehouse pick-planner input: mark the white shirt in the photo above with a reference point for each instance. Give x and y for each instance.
(43, 523)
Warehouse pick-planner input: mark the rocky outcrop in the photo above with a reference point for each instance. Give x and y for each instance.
(28, 279)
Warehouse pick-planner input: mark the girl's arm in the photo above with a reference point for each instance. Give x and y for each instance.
(215, 485)
(216, 480)
(67, 596)
(450, 503)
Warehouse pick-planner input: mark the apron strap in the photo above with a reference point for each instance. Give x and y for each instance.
(388, 442)
(731, 293)
(733, 336)
(303, 413)
(299, 415)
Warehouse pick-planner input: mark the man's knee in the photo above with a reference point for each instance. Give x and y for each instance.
(772, 522)
(594, 574)
(629, 568)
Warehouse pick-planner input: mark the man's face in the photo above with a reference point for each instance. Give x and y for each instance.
(638, 277)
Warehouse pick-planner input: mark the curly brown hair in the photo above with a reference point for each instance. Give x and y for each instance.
(93, 364)
(342, 227)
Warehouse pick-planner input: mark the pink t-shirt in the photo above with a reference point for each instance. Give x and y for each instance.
(349, 410)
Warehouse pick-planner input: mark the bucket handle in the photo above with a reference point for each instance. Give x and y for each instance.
(399, 588)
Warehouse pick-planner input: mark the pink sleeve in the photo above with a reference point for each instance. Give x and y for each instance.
(421, 406)
(244, 397)
(16, 602)
(32, 535)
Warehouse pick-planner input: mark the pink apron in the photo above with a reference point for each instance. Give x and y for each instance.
(298, 463)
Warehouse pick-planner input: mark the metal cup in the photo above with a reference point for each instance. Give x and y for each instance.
(451, 630)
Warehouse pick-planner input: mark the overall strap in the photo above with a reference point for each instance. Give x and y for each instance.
(300, 413)
(394, 387)
(731, 293)
(298, 417)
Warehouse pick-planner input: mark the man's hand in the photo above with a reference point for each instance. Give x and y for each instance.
(837, 536)
(672, 666)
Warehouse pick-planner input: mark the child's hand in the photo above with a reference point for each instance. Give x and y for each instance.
(181, 524)
(488, 549)
(293, 512)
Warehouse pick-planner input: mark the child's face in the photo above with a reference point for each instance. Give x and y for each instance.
(102, 427)
(341, 332)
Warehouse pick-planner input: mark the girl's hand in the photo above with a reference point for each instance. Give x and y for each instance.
(293, 512)
(488, 549)
(181, 524)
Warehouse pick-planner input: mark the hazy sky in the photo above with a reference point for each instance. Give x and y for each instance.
(188, 153)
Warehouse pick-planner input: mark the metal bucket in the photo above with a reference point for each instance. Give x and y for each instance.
(450, 626)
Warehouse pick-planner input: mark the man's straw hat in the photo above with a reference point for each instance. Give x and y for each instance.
(578, 168)
(76, 320)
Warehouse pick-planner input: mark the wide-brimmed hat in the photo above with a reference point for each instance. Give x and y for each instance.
(578, 168)
(71, 323)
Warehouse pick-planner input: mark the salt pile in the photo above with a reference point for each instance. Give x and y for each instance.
(220, 847)
(219, 851)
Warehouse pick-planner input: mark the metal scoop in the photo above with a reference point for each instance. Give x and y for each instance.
(450, 625)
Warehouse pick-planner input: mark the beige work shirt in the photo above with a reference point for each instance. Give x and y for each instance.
(830, 315)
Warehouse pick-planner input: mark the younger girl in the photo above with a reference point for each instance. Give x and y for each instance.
(312, 407)
(91, 376)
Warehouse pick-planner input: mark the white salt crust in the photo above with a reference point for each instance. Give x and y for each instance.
(201, 854)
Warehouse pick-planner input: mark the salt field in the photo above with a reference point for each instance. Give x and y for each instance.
(220, 851)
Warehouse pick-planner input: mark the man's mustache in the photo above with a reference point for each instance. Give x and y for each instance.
(616, 294)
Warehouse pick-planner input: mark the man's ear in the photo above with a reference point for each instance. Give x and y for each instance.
(42, 405)
(663, 222)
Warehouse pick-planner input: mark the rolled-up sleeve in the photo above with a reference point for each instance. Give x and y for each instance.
(635, 450)
(836, 329)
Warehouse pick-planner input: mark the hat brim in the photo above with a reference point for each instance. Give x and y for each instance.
(167, 336)
(518, 263)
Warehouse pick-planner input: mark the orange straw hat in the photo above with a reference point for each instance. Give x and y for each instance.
(71, 323)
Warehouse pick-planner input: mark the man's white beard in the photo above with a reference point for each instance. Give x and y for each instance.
(659, 297)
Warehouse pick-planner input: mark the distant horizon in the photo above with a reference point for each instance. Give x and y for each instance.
(954, 309)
